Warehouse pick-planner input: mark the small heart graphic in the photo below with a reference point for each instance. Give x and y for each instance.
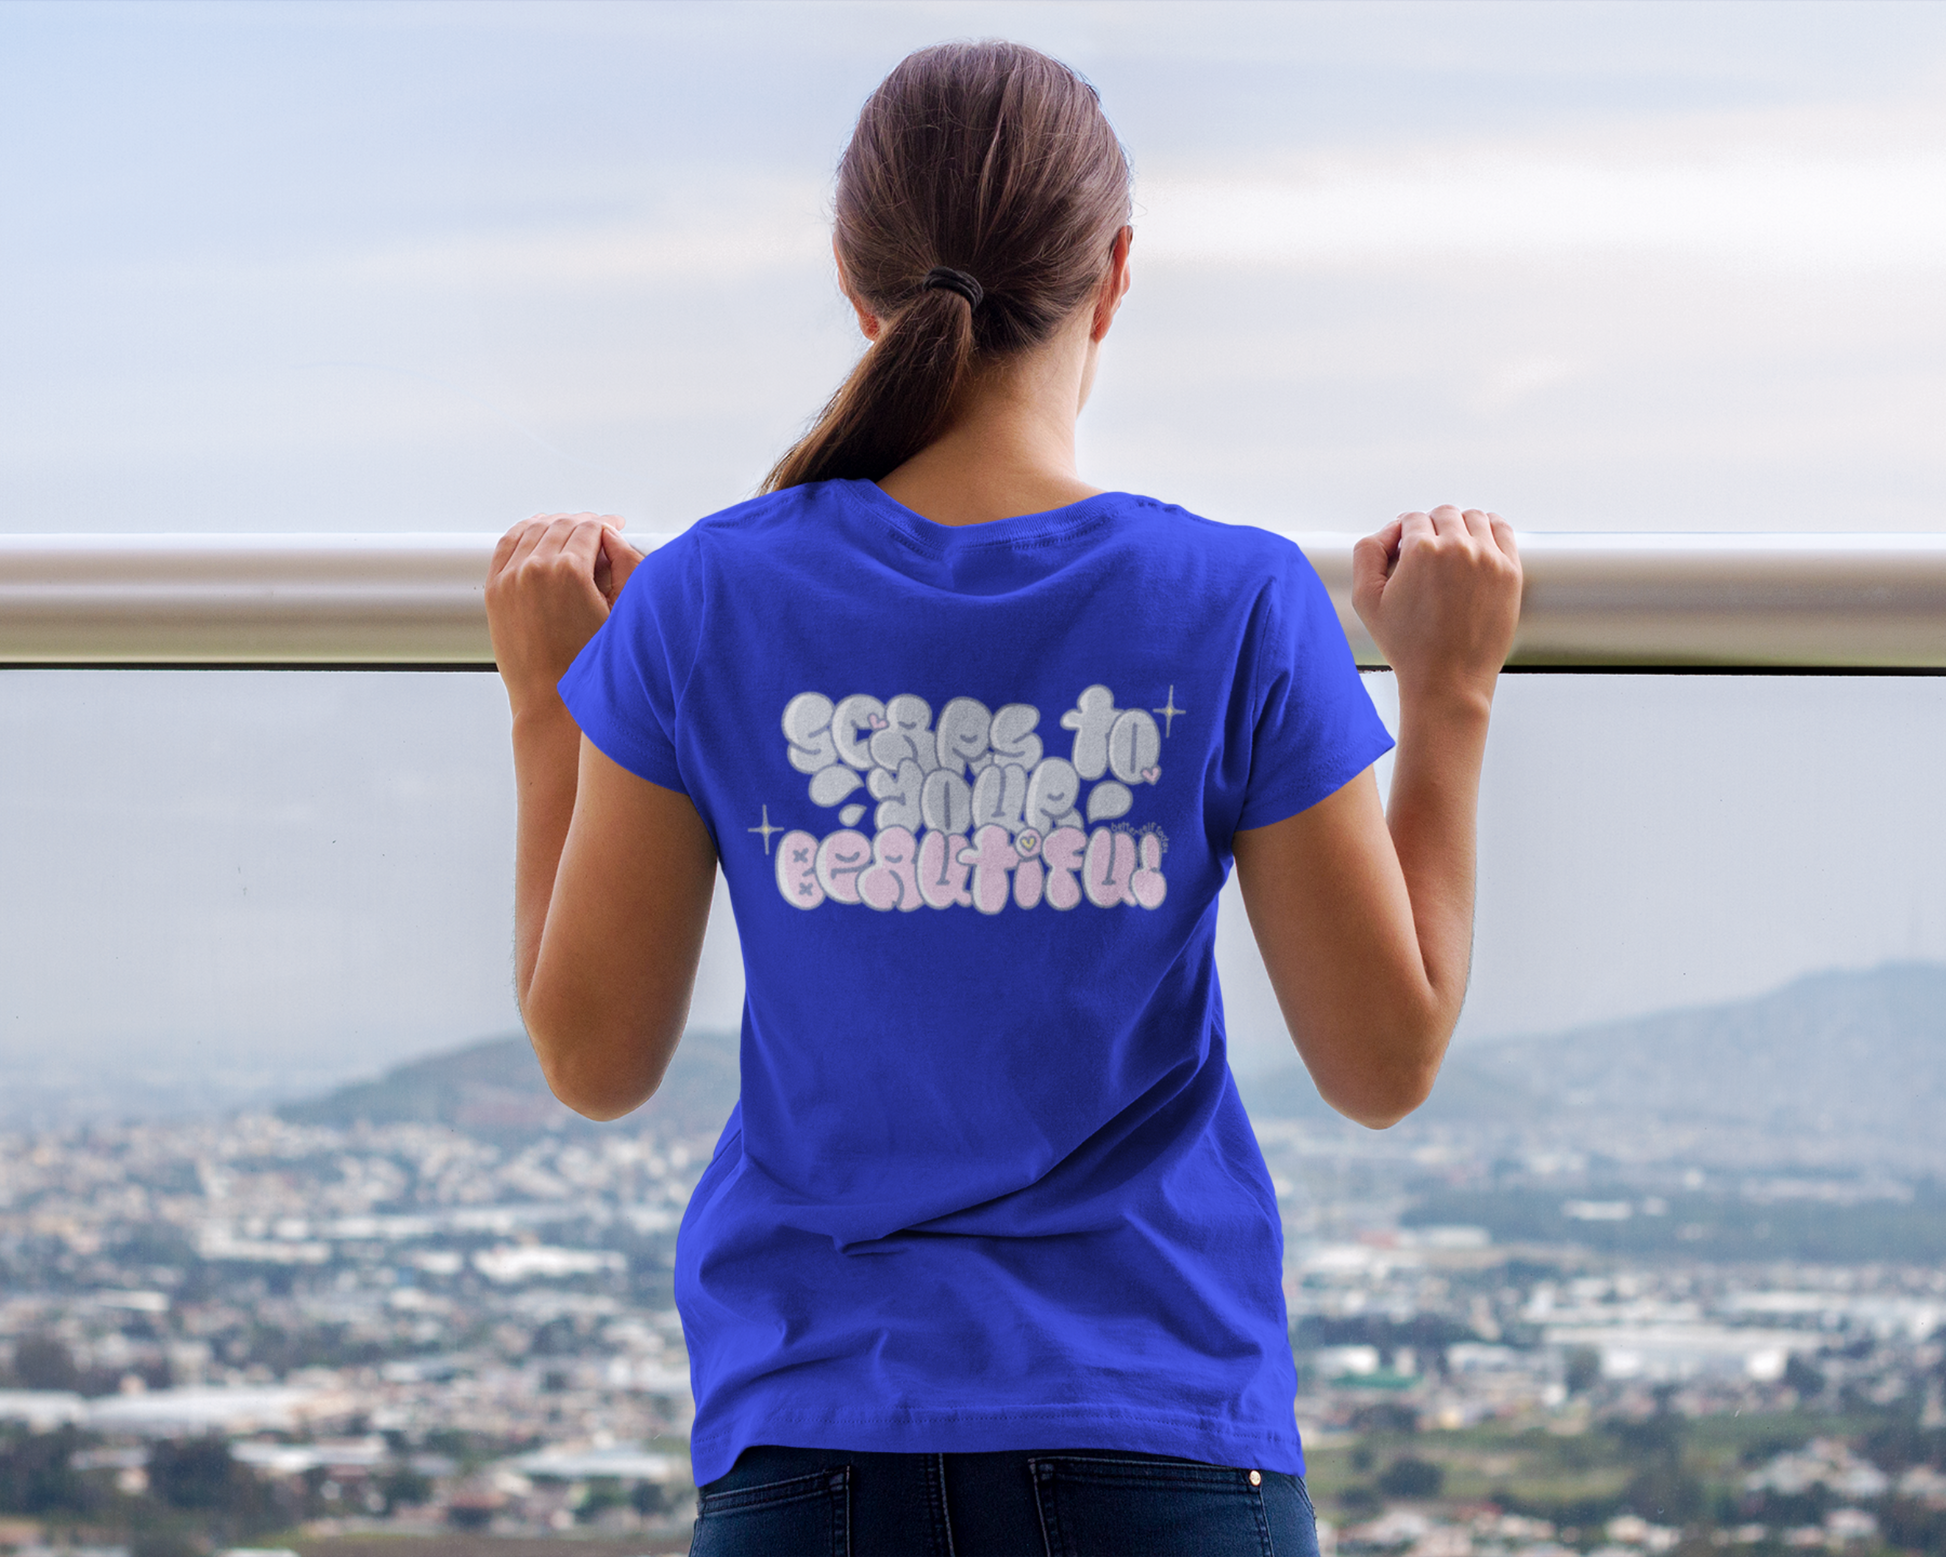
(1151, 775)
(877, 722)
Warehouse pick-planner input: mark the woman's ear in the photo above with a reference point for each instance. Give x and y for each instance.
(867, 320)
(1114, 285)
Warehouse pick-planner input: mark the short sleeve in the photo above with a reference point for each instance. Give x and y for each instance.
(1315, 728)
(625, 687)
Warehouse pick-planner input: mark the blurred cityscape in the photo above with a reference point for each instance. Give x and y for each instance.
(437, 1305)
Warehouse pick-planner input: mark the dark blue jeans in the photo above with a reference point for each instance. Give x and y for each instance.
(1031, 1503)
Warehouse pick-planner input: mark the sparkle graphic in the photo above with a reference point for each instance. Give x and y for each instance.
(1169, 712)
(766, 830)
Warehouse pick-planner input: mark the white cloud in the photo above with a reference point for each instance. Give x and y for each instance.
(740, 229)
(1804, 193)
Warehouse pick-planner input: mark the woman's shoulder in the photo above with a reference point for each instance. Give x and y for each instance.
(736, 538)
(1253, 548)
(754, 515)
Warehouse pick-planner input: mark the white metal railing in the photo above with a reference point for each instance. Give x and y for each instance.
(1636, 601)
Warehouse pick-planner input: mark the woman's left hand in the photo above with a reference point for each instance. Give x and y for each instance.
(550, 586)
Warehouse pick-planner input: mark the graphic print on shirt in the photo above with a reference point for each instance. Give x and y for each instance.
(971, 809)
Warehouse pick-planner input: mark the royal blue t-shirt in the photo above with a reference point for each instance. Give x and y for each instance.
(989, 1184)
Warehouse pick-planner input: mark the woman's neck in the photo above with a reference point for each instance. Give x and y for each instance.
(1008, 448)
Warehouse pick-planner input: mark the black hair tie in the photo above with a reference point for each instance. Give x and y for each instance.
(954, 281)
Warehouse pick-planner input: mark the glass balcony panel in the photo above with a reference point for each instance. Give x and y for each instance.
(240, 886)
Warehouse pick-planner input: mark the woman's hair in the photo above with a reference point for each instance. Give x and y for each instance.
(988, 159)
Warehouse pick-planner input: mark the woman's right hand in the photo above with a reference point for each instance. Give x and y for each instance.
(551, 584)
(612, 875)
(1364, 913)
(1440, 594)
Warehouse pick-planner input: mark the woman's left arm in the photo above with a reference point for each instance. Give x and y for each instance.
(612, 874)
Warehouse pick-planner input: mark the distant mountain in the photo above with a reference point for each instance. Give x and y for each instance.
(1833, 1052)
(494, 1089)
(1836, 1066)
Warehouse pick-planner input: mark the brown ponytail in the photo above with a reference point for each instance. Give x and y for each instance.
(992, 160)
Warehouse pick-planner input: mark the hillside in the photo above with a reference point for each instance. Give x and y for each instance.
(1835, 1067)
(1833, 1053)
(494, 1089)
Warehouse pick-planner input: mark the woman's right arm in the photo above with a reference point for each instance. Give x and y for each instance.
(612, 874)
(1364, 915)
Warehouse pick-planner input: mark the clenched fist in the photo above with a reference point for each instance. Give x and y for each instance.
(1440, 595)
(550, 586)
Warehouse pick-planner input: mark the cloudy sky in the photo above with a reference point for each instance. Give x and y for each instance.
(435, 267)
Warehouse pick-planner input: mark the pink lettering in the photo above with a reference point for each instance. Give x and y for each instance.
(893, 880)
(992, 857)
(797, 873)
(1146, 886)
(1028, 879)
(1110, 862)
(841, 858)
(1062, 849)
(942, 878)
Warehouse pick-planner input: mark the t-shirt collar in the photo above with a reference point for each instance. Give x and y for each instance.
(939, 539)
